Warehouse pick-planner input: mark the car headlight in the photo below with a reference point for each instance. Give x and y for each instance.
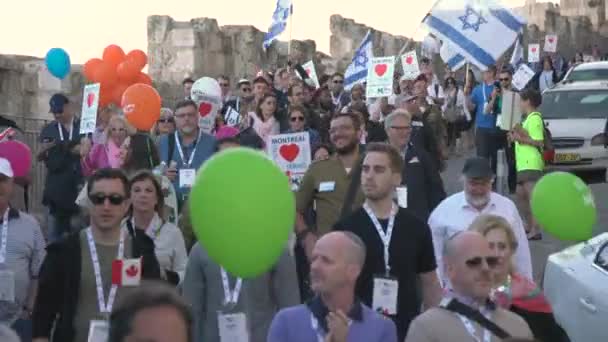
(598, 140)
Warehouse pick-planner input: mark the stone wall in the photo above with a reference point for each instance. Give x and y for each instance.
(200, 47)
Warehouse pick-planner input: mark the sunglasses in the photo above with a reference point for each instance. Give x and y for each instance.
(246, 90)
(338, 81)
(504, 79)
(476, 262)
(166, 120)
(297, 118)
(99, 199)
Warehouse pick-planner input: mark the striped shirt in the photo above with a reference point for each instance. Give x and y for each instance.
(25, 251)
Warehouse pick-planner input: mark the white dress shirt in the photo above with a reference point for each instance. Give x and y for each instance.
(455, 214)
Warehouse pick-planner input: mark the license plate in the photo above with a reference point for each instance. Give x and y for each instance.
(567, 158)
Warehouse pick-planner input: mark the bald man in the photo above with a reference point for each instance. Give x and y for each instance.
(335, 314)
(468, 264)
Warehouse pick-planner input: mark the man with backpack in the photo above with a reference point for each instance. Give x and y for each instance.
(529, 139)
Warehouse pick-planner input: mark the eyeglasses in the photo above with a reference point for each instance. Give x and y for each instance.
(166, 120)
(184, 115)
(99, 199)
(475, 262)
(505, 79)
(297, 118)
(338, 81)
(246, 90)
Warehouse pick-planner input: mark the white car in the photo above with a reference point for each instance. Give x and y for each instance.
(591, 71)
(576, 285)
(575, 114)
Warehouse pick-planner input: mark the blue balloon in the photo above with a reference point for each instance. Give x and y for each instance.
(58, 62)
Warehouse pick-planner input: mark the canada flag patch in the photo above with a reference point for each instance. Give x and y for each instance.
(126, 272)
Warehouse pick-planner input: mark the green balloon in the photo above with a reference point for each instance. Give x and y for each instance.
(564, 206)
(242, 211)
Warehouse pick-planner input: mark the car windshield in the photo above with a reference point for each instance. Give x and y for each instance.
(588, 75)
(575, 104)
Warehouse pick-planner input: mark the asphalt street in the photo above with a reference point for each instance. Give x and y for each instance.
(548, 245)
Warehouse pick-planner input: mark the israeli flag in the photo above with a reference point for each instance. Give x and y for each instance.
(518, 54)
(479, 30)
(279, 21)
(357, 70)
(450, 57)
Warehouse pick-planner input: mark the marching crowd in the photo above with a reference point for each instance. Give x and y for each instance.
(379, 251)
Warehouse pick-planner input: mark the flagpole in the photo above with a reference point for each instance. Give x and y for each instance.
(290, 31)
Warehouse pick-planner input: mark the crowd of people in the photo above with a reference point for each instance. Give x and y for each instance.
(379, 251)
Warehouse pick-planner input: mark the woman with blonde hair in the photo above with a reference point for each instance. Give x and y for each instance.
(110, 153)
(512, 290)
(164, 125)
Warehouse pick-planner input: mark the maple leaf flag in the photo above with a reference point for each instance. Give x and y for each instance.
(126, 272)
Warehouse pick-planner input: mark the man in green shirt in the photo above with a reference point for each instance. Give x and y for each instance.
(529, 140)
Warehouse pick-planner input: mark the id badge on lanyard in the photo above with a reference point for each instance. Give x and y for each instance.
(232, 325)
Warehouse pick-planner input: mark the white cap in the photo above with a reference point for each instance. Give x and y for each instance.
(5, 168)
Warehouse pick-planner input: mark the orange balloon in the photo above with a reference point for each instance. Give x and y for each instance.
(90, 67)
(117, 92)
(105, 95)
(105, 74)
(144, 78)
(138, 57)
(113, 55)
(127, 72)
(141, 105)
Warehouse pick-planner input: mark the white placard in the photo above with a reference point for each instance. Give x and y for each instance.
(291, 152)
(380, 77)
(409, 62)
(533, 53)
(309, 68)
(510, 110)
(90, 102)
(232, 117)
(207, 95)
(522, 76)
(550, 43)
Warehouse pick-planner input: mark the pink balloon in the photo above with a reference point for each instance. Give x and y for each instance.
(19, 155)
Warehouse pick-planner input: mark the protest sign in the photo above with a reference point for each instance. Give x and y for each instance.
(292, 154)
(550, 43)
(522, 76)
(309, 67)
(510, 113)
(533, 53)
(90, 102)
(380, 77)
(409, 62)
(207, 95)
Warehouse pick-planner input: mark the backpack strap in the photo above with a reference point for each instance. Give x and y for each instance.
(472, 314)
(171, 149)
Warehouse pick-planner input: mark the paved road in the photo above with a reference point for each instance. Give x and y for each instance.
(540, 249)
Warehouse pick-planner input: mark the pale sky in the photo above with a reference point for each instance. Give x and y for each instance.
(83, 28)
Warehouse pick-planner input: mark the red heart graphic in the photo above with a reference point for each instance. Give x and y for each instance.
(132, 271)
(533, 49)
(289, 152)
(204, 109)
(409, 59)
(308, 71)
(381, 69)
(90, 99)
(551, 40)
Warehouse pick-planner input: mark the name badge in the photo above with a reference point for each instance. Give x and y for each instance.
(126, 272)
(233, 327)
(98, 331)
(186, 178)
(384, 298)
(7, 286)
(402, 196)
(327, 186)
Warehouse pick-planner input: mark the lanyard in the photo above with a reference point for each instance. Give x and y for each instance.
(315, 326)
(483, 90)
(4, 236)
(60, 129)
(471, 330)
(385, 237)
(231, 297)
(181, 152)
(336, 100)
(103, 307)
(238, 104)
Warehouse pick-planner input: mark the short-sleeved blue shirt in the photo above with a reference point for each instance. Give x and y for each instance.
(480, 96)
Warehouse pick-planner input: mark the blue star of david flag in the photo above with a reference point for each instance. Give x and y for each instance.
(478, 30)
(450, 57)
(356, 72)
(517, 57)
(279, 21)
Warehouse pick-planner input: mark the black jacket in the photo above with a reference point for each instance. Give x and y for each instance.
(424, 184)
(59, 284)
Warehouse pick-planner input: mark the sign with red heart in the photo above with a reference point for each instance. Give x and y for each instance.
(289, 152)
(292, 154)
(550, 43)
(90, 102)
(533, 53)
(309, 68)
(380, 77)
(409, 62)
